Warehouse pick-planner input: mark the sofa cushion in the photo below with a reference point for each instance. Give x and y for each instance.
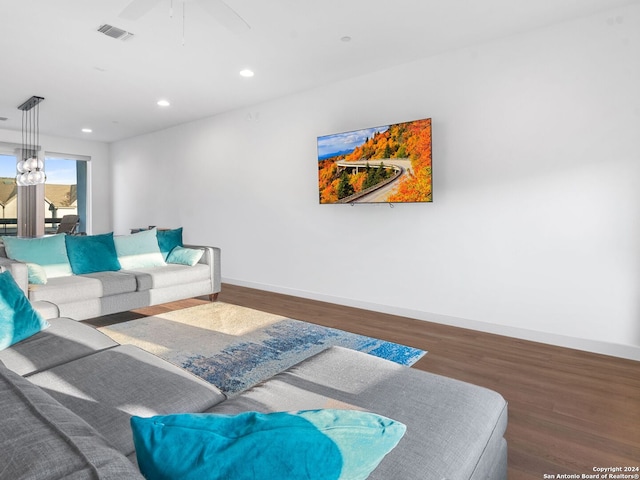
(83, 287)
(311, 444)
(114, 283)
(168, 240)
(63, 341)
(49, 252)
(139, 250)
(18, 319)
(92, 253)
(171, 275)
(110, 386)
(455, 429)
(42, 440)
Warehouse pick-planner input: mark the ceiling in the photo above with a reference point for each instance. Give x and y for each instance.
(51, 48)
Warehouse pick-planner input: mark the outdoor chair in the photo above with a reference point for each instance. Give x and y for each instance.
(68, 224)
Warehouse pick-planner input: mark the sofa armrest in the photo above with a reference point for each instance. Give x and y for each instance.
(19, 271)
(211, 257)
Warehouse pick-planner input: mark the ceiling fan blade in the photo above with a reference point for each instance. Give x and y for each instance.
(137, 8)
(225, 15)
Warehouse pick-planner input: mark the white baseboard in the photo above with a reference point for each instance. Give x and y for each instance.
(616, 350)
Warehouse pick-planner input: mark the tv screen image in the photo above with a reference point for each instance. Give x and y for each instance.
(386, 164)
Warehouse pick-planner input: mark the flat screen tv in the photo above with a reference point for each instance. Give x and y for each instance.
(386, 164)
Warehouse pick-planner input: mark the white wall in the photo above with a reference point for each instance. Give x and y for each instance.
(100, 202)
(534, 227)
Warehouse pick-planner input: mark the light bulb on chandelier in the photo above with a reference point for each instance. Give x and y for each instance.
(30, 170)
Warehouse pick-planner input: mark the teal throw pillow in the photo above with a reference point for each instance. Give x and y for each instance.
(18, 319)
(138, 250)
(312, 444)
(92, 253)
(37, 274)
(49, 252)
(185, 256)
(168, 240)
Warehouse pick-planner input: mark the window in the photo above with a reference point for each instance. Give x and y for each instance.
(65, 191)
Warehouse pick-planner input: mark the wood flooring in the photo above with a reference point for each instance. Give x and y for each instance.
(569, 411)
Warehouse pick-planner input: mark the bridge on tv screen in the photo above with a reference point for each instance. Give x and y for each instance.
(380, 191)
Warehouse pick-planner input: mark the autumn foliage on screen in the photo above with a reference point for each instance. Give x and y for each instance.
(386, 164)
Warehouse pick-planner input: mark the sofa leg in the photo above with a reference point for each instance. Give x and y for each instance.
(213, 297)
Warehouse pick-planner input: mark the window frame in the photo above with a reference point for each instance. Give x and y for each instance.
(85, 218)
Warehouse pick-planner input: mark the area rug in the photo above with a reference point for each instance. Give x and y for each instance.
(235, 347)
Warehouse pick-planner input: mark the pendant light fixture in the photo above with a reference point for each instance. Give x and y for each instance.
(30, 167)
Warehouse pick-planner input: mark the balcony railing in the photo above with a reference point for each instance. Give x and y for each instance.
(9, 226)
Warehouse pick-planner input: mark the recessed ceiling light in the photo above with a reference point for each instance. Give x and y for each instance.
(87, 130)
(163, 103)
(246, 73)
(346, 38)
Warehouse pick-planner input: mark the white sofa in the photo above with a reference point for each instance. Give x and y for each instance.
(101, 293)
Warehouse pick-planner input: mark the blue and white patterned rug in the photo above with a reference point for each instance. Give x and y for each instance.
(235, 347)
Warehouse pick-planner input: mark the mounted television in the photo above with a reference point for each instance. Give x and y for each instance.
(387, 164)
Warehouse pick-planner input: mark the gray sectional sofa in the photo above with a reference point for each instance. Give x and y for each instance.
(68, 392)
(100, 293)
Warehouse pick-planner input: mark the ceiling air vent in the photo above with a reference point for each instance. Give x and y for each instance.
(114, 32)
